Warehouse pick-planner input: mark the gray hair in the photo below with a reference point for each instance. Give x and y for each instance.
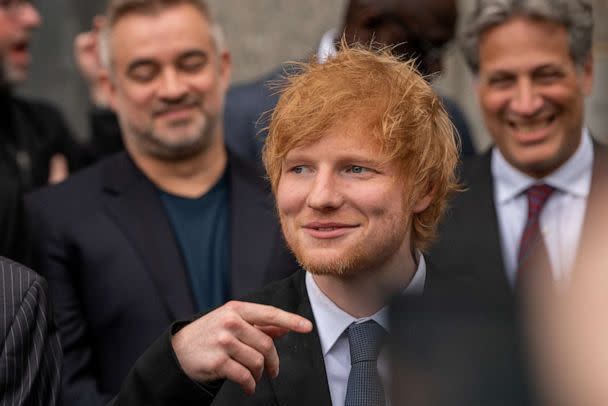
(576, 16)
(119, 8)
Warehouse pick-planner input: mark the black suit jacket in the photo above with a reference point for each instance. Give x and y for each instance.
(31, 133)
(249, 106)
(157, 378)
(117, 276)
(13, 241)
(30, 353)
(469, 245)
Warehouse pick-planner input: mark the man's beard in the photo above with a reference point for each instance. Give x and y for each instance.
(162, 148)
(365, 255)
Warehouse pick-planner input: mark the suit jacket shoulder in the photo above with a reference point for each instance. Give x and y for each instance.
(30, 357)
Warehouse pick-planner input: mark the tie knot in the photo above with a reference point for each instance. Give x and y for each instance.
(537, 197)
(365, 340)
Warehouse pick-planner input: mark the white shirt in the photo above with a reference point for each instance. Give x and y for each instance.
(561, 219)
(332, 323)
(327, 47)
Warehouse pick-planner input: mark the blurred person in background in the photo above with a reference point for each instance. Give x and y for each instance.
(415, 31)
(36, 147)
(420, 32)
(173, 225)
(533, 197)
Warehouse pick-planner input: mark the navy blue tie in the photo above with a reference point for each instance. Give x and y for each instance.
(364, 384)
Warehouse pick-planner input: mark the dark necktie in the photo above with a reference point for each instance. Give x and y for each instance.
(532, 256)
(364, 385)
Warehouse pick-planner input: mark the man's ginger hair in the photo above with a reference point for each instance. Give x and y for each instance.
(404, 116)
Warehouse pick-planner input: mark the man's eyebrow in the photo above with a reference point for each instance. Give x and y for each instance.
(548, 66)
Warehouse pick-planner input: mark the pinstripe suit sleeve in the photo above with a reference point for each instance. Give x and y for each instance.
(30, 353)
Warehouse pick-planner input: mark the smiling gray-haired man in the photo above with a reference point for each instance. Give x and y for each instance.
(532, 197)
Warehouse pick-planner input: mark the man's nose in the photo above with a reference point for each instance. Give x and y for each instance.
(172, 86)
(29, 16)
(526, 99)
(325, 193)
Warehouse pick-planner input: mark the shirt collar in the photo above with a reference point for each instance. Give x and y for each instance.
(331, 321)
(327, 46)
(573, 177)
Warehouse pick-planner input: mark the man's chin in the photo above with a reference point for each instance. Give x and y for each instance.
(343, 267)
(12, 75)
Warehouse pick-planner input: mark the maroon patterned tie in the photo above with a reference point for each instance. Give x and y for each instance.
(532, 249)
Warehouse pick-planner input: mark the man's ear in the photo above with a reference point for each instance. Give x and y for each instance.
(423, 202)
(225, 69)
(588, 74)
(107, 88)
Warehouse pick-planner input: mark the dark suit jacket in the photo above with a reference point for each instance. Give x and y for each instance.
(31, 133)
(249, 105)
(469, 244)
(30, 352)
(13, 241)
(117, 276)
(302, 379)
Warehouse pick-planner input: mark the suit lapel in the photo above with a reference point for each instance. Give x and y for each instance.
(303, 379)
(132, 201)
(253, 228)
(484, 232)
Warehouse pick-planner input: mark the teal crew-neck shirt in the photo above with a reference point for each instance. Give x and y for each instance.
(201, 227)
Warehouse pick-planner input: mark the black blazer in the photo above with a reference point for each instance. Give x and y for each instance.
(30, 353)
(469, 246)
(117, 276)
(33, 132)
(13, 241)
(302, 379)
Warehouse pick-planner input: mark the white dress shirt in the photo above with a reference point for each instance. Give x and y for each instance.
(561, 219)
(327, 47)
(332, 323)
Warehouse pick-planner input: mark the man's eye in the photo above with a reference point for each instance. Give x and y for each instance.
(548, 77)
(143, 73)
(357, 169)
(297, 169)
(193, 63)
(500, 81)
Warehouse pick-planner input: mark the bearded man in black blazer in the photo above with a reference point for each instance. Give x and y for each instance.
(534, 68)
(174, 225)
(361, 165)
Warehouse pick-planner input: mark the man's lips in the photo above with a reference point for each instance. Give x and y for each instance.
(19, 51)
(176, 112)
(532, 131)
(327, 230)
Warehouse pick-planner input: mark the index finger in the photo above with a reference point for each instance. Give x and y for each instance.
(264, 315)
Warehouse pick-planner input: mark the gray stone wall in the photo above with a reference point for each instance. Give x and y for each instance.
(261, 35)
